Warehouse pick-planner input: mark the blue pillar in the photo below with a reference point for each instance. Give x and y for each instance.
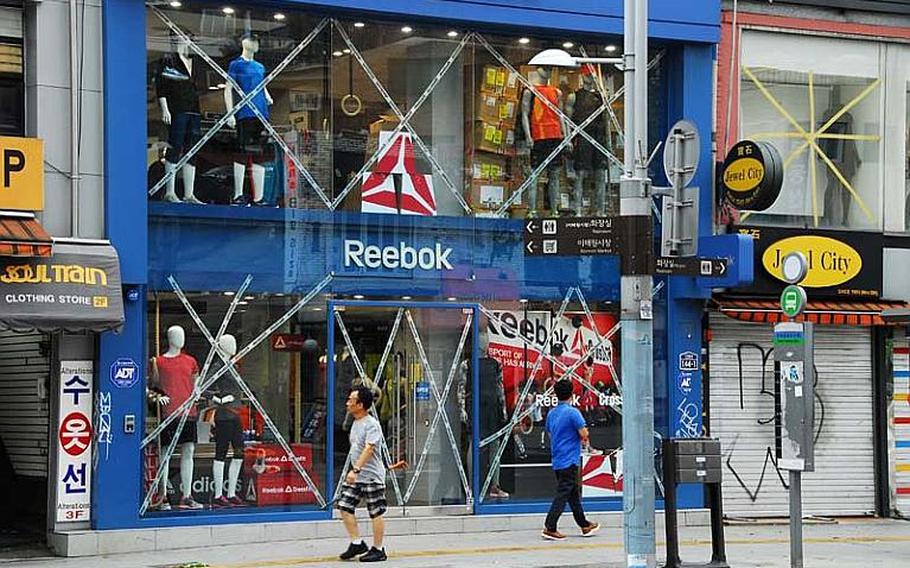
(116, 480)
(691, 78)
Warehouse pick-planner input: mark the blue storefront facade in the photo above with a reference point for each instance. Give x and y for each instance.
(311, 196)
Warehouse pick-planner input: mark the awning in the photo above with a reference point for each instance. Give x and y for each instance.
(817, 311)
(22, 236)
(76, 289)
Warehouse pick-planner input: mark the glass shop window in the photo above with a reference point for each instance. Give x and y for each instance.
(219, 435)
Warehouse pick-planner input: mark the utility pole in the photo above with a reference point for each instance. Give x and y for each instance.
(637, 330)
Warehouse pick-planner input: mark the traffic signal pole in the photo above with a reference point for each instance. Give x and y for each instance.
(637, 330)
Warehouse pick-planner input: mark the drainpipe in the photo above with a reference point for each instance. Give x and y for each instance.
(74, 120)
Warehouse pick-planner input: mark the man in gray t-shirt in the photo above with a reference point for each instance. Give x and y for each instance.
(365, 480)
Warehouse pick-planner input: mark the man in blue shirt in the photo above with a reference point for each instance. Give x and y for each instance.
(567, 431)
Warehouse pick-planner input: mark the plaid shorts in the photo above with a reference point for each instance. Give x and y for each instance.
(352, 495)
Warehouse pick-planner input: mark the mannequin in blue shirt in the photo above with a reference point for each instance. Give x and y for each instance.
(248, 73)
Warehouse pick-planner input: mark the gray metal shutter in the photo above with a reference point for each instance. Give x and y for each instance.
(843, 482)
(24, 374)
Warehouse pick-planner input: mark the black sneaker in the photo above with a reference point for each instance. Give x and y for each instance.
(354, 550)
(374, 555)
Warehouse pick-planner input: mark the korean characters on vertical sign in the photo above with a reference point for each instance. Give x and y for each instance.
(74, 441)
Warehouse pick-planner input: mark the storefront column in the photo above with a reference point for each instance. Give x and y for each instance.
(116, 480)
(690, 72)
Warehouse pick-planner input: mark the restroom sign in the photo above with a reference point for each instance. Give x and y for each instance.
(21, 173)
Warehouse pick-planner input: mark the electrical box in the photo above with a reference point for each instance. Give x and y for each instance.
(795, 361)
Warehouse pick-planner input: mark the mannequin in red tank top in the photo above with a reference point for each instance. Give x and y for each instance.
(544, 130)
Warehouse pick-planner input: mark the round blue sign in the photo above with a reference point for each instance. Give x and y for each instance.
(124, 373)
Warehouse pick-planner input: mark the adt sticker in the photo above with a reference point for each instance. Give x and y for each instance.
(422, 392)
(124, 373)
(685, 382)
(688, 361)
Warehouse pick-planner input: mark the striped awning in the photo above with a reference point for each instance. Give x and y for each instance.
(817, 311)
(22, 236)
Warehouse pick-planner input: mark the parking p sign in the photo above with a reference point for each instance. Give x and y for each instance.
(124, 373)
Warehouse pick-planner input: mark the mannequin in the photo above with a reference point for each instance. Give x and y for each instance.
(844, 155)
(589, 161)
(174, 374)
(227, 431)
(492, 406)
(249, 74)
(178, 86)
(544, 130)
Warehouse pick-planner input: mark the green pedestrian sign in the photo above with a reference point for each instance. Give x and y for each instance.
(793, 300)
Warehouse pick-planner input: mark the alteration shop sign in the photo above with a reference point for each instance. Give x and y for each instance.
(74, 442)
(75, 289)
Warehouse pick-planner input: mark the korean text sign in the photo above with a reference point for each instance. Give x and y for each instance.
(74, 441)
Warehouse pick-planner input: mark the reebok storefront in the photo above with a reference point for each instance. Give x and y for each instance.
(316, 199)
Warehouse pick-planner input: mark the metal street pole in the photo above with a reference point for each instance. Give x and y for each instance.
(636, 315)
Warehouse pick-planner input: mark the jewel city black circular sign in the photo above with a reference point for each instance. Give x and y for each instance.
(752, 175)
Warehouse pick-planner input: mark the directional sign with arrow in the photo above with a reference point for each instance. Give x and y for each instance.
(707, 267)
(571, 236)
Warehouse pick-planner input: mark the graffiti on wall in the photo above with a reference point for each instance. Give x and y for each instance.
(769, 410)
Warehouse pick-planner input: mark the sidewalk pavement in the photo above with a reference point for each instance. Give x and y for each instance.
(850, 543)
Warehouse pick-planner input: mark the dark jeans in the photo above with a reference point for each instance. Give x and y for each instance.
(568, 490)
(183, 134)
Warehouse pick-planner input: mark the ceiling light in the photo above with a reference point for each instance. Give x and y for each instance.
(523, 301)
(316, 309)
(249, 297)
(220, 85)
(337, 53)
(228, 293)
(278, 16)
(279, 294)
(611, 48)
(242, 303)
(407, 29)
(227, 10)
(452, 298)
(175, 4)
(524, 41)
(359, 24)
(452, 33)
(345, 51)
(358, 296)
(568, 44)
(405, 298)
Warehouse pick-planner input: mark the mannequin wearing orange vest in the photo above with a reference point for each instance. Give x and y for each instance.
(544, 130)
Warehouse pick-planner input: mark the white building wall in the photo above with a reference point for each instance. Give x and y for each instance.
(47, 87)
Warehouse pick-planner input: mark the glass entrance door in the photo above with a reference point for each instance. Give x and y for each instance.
(416, 356)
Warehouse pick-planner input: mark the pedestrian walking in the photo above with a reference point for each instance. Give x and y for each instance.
(567, 430)
(365, 481)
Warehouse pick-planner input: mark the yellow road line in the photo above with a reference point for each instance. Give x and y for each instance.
(859, 539)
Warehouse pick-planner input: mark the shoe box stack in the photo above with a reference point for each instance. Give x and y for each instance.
(272, 478)
(492, 107)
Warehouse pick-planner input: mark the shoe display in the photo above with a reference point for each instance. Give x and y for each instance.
(374, 555)
(190, 504)
(590, 529)
(552, 535)
(164, 505)
(239, 200)
(221, 502)
(354, 550)
(236, 501)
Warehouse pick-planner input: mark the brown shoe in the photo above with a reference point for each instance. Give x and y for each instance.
(590, 529)
(552, 535)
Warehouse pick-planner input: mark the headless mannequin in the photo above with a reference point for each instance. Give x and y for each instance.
(248, 123)
(544, 130)
(589, 162)
(228, 431)
(176, 339)
(844, 155)
(492, 406)
(183, 128)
